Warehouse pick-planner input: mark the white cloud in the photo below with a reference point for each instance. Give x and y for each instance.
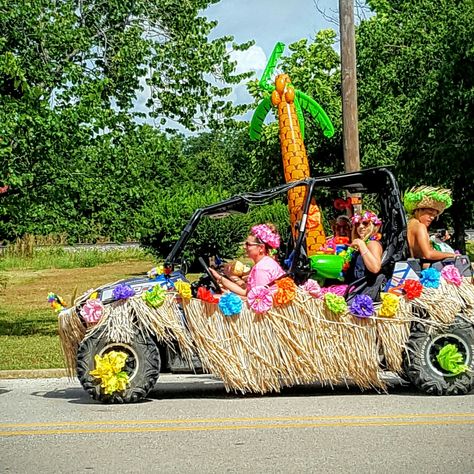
(253, 59)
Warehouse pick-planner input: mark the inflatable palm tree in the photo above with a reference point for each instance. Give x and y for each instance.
(291, 103)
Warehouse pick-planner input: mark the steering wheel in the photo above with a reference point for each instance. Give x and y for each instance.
(207, 270)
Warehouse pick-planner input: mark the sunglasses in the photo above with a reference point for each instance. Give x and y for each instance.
(250, 244)
(364, 223)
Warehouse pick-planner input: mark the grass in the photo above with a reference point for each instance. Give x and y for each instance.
(28, 326)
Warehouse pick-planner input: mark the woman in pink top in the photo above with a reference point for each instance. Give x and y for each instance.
(262, 239)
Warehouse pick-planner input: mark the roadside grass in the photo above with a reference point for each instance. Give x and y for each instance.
(28, 327)
(58, 257)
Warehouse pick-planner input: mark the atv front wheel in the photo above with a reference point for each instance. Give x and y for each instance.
(421, 365)
(142, 367)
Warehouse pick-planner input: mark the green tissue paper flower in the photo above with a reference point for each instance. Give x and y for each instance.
(451, 360)
(335, 303)
(155, 296)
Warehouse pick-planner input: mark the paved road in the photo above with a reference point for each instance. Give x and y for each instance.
(190, 424)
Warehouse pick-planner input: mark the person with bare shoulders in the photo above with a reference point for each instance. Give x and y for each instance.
(423, 205)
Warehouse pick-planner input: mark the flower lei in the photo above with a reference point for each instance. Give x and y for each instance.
(108, 369)
(56, 302)
(286, 291)
(266, 235)
(367, 216)
(362, 306)
(154, 297)
(92, 311)
(230, 304)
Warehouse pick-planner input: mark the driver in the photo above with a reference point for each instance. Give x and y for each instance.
(424, 204)
(262, 241)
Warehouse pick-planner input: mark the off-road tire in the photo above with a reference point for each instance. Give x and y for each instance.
(421, 367)
(142, 366)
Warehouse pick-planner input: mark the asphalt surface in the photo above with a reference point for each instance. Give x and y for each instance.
(190, 424)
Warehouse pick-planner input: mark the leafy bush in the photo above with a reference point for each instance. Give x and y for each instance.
(167, 213)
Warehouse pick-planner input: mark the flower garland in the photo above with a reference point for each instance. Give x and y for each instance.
(312, 287)
(108, 369)
(154, 297)
(92, 311)
(412, 288)
(452, 275)
(206, 295)
(230, 304)
(56, 302)
(266, 235)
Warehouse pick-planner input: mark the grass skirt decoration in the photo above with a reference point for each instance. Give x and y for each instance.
(71, 333)
(393, 333)
(303, 341)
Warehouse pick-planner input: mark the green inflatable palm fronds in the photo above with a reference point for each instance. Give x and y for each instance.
(272, 62)
(258, 118)
(309, 104)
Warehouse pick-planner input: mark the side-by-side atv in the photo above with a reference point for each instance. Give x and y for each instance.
(420, 325)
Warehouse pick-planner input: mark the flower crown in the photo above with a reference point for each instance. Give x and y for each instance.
(266, 235)
(367, 216)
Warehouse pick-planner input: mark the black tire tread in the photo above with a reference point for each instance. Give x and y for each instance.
(425, 380)
(141, 384)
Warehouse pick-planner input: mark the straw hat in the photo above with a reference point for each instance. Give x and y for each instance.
(427, 197)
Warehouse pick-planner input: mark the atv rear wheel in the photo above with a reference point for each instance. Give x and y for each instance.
(142, 367)
(422, 368)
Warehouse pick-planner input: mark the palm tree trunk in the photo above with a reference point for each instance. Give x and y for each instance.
(295, 166)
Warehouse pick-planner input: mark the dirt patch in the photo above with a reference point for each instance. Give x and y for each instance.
(29, 289)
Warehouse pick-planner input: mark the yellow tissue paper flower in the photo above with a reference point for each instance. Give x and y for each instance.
(183, 288)
(108, 369)
(389, 306)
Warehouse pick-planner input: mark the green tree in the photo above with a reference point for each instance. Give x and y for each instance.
(416, 73)
(70, 75)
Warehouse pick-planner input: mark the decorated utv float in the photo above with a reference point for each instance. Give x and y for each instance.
(118, 337)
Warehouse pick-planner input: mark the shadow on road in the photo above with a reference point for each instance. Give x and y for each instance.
(206, 386)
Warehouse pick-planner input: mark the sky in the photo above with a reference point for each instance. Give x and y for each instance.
(267, 22)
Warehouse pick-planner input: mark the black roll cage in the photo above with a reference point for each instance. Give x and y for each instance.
(378, 180)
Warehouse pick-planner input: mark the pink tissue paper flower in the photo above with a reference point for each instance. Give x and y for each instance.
(260, 299)
(92, 311)
(451, 274)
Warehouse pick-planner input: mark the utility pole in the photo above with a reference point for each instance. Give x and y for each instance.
(350, 125)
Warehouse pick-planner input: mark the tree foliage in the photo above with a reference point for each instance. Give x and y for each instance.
(416, 68)
(71, 71)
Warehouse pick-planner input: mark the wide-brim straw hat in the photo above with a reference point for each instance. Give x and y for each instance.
(427, 197)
